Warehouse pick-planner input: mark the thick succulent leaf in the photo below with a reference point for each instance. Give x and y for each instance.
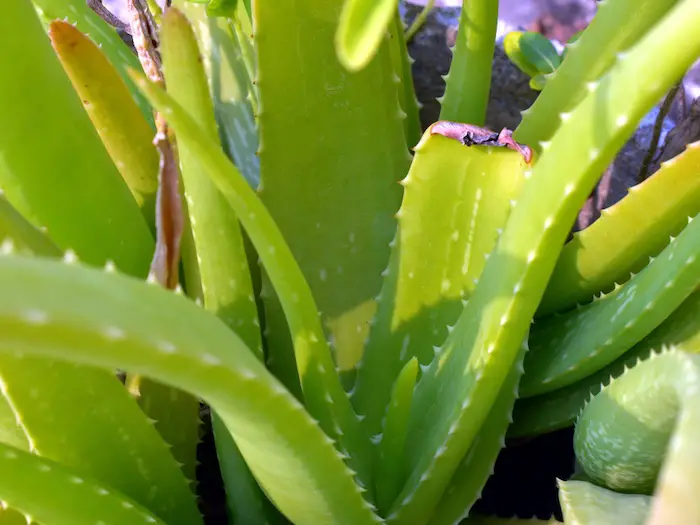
(362, 27)
(402, 67)
(560, 408)
(225, 278)
(585, 503)
(118, 53)
(323, 394)
(477, 466)
(390, 461)
(101, 432)
(21, 234)
(456, 200)
(55, 169)
(567, 348)
(601, 44)
(468, 83)
(115, 321)
(84, 419)
(330, 141)
(495, 520)
(653, 412)
(64, 495)
(626, 235)
(460, 386)
(124, 131)
(226, 55)
(223, 265)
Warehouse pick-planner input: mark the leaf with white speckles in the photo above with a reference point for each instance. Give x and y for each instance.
(170, 339)
(481, 350)
(584, 502)
(626, 235)
(560, 408)
(66, 495)
(332, 149)
(592, 55)
(570, 347)
(640, 435)
(456, 200)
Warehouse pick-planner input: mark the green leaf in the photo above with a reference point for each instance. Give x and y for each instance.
(54, 169)
(330, 141)
(114, 321)
(318, 375)
(653, 410)
(126, 134)
(24, 237)
(468, 83)
(402, 61)
(65, 495)
(540, 52)
(225, 8)
(221, 256)
(511, 46)
(560, 408)
(455, 394)
(583, 502)
(438, 253)
(477, 466)
(604, 43)
(86, 21)
(570, 347)
(392, 448)
(85, 419)
(538, 82)
(621, 241)
(362, 26)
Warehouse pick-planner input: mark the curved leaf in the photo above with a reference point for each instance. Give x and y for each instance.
(114, 321)
(362, 27)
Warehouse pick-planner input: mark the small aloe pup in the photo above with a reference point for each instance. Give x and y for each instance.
(245, 213)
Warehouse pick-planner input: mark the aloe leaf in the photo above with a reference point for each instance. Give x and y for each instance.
(62, 160)
(392, 446)
(512, 48)
(477, 466)
(559, 408)
(362, 26)
(23, 235)
(66, 495)
(468, 83)
(495, 520)
(621, 241)
(567, 348)
(540, 52)
(587, 60)
(458, 389)
(115, 321)
(224, 52)
(318, 374)
(437, 254)
(124, 131)
(85, 419)
(10, 516)
(122, 448)
(222, 260)
(583, 502)
(225, 8)
(314, 119)
(87, 21)
(653, 410)
(402, 67)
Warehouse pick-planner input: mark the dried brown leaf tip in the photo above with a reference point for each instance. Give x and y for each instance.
(471, 135)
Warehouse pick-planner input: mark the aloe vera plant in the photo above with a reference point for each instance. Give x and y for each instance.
(367, 308)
